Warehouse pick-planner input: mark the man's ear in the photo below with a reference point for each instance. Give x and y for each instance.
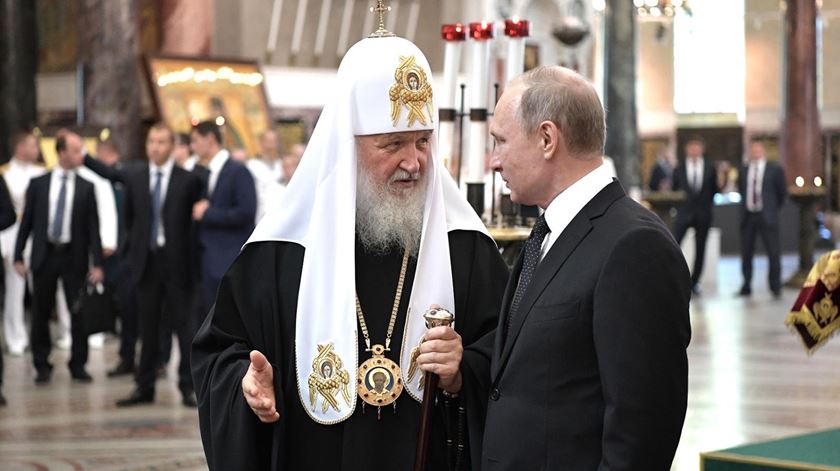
(549, 138)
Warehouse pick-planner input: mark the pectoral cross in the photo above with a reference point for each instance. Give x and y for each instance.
(380, 9)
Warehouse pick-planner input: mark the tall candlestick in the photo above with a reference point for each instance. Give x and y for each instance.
(480, 33)
(454, 35)
(516, 30)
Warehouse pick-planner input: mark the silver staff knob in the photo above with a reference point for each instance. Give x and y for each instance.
(437, 317)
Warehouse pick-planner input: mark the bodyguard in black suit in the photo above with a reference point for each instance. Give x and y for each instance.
(763, 192)
(159, 197)
(697, 177)
(589, 367)
(226, 216)
(7, 219)
(60, 215)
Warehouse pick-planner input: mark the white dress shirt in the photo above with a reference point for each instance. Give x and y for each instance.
(268, 177)
(106, 207)
(694, 168)
(755, 178)
(216, 164)
(166, 174)
(571, 201)
(55, 189)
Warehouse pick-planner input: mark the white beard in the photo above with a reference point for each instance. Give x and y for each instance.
(387, 219)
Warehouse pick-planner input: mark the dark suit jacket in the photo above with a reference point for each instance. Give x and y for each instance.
(84, 225)
(773, 191)
(183, 191)
(229, 220)
(7, 208)
(698, 204)
(593, 373)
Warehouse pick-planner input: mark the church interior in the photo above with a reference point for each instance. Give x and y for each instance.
(763, 384)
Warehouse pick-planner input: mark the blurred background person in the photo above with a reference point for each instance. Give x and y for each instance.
(662, 173)
(226, 215)
(267, 170)
(699, 180)
(61, 216)
(7, 218)
(763, 192)
(158, 206)
(16, 175)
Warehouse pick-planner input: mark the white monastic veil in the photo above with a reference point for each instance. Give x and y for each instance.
(318, 210)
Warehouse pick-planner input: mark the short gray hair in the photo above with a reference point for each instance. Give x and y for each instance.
(565, 98)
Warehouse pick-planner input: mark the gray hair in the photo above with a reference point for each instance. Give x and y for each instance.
(565, 98)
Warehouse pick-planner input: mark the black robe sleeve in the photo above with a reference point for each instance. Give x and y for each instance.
(242, 319)
(479, 301)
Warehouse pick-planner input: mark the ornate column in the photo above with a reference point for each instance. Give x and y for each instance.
(18, 56)
(108, 50)
(620, 91)
(801, 126)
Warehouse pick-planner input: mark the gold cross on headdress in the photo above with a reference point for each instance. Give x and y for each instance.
(380, 8)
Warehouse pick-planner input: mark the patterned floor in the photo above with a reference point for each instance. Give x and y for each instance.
(750, 379)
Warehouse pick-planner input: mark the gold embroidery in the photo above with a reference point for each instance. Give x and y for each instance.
(413, 368)
(412, 90)
(328, 377)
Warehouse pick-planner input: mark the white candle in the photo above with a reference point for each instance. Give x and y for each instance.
(481, 33)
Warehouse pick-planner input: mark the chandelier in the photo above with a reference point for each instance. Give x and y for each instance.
(667, 8)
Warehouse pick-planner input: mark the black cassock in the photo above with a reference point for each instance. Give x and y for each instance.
(256, 309)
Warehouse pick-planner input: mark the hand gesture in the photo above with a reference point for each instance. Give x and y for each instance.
(258, 388)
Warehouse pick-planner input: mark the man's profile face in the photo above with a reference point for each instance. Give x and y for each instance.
(396, 160)
(516, 156)
(201, 145)
(159, 145)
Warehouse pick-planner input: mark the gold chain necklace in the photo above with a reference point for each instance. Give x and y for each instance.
(379, 378)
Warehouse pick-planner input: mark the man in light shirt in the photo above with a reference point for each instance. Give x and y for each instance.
(21, 168)
(60, 213)
(226, 215)
(589, 368)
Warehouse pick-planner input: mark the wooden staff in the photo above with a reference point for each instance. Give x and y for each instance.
(435, 317)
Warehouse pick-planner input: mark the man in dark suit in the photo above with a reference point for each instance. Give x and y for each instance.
(226, 216)
(7, 219)
(763, 192)
(159, 198)
(697, 177)
(589, 367)
(61, 215)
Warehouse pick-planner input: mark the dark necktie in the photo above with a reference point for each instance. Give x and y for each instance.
(58, 221)
(756, 193)
(533, 247)
(153, 241)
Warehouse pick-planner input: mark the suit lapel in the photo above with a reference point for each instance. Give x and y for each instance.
(563, 247)
(75, 211)
(222, 176)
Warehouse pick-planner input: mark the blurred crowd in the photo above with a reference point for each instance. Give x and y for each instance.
(153, 236)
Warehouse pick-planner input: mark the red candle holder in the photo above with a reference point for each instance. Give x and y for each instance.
(481, 31)
(517, 28)
(456, 32)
